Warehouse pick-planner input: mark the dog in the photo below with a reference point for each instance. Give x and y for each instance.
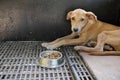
(86, 25)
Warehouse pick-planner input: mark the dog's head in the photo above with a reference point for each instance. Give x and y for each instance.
(80, 18)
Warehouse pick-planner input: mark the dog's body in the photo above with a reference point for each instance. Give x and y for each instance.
(87, 27)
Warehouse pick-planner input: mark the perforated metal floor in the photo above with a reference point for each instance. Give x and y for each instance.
(19, 61)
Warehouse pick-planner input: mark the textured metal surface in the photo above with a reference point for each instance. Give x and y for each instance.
(19, 61)
(77, 65)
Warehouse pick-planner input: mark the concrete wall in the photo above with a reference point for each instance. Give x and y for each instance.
(46, 19)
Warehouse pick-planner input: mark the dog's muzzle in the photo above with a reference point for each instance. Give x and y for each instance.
(75, 29)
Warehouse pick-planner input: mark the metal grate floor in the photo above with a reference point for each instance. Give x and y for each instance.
(19, 61)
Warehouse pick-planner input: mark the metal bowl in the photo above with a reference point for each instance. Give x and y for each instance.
(51, 63)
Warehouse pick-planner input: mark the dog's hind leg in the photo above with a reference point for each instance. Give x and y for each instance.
(102, 37)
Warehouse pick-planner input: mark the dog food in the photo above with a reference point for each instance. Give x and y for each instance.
(53, 55)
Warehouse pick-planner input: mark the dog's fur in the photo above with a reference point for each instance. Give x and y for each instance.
(89, 28)
(107, 47)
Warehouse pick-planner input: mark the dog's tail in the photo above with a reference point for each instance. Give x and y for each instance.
(104, 53)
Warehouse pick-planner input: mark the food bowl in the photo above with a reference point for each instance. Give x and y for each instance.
(51, 59)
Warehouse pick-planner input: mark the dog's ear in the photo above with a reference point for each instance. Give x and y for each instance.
(91, 15)
(69, 15)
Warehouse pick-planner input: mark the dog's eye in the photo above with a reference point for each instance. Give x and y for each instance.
(82, 19)
(73, 18)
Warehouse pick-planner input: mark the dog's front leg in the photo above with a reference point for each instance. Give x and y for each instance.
(66, 42)
(72, 35)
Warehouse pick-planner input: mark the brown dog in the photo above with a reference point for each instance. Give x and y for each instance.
(87, 27)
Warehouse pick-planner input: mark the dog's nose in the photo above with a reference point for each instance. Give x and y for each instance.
(75, 29)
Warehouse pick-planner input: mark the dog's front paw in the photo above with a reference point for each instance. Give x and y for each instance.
(51, 47)
(44, 44)
(77, 48)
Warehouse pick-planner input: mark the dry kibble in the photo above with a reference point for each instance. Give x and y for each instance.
(52, 55)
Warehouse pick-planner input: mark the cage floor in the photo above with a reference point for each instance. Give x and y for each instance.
(19, 61)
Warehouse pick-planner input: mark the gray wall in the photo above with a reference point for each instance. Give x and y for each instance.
(45, 20)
